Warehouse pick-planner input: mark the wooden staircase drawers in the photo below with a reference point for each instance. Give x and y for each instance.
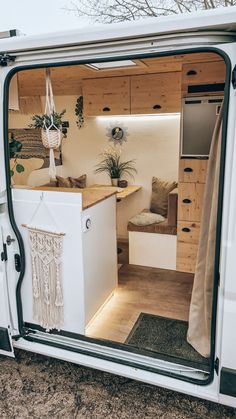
(190, 201)
(186, 257)
(192, 170)
(188, 232)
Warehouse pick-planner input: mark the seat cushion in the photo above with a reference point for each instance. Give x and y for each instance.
(160, 193)
(146, 218)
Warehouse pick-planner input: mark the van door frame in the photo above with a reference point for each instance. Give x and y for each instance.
(22, 329)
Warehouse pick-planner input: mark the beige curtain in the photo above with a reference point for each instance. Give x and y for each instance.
(201, 302)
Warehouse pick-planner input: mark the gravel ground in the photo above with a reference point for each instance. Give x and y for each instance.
(33, 386)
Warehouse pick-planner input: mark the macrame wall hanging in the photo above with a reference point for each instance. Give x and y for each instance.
(51, 135)
(46, 260)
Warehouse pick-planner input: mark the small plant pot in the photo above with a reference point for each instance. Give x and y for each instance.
(114, 181)
(122, 183)
(51, 138)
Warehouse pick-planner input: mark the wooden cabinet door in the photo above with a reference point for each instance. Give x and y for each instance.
(190, 201)
(192, 170)
(188, 232)
(202, 73)
(106, 96)
(156, 93)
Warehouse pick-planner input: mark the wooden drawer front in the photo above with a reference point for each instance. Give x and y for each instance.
(192, 170)
(186, 257)
(202, 73)
(188, 232)
(156, 93)
(190, 201)
(108, 96)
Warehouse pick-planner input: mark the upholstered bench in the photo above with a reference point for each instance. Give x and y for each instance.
(154, 245)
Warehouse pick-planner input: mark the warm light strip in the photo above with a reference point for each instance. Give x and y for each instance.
(141, 117)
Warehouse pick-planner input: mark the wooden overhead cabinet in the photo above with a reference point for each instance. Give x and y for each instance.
(106, 96)
(209, 74)
(156, 93)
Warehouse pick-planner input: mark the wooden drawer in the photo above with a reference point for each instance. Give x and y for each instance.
(106, 96)
(192, 170)
(188, 232)
(186, 257)
(156, 93)
(190, 201)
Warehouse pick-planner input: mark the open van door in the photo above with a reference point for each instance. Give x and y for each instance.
(6, 347)
(226, 331)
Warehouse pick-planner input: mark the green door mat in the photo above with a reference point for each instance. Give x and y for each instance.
(167, 338)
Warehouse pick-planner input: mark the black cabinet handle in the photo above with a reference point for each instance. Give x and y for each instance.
(191, 73)
(186, 230)
(187, 201)
(106, 109)
(156, 106)
(188, 169)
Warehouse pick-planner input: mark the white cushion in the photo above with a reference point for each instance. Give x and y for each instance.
(146, 218)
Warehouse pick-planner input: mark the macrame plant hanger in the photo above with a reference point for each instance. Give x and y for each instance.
(51, 135)
(46, 262)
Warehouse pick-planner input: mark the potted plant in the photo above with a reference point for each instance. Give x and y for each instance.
(51, 125)
(114, 167)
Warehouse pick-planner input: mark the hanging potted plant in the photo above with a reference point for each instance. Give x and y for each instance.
(50, 124)
(114, 167)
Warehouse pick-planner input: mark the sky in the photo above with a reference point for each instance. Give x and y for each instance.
(42, 16)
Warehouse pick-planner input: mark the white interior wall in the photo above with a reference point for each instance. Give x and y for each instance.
(153, 141)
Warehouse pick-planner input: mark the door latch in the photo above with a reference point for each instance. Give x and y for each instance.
(234, 77)
(9, 240)
(4, 253)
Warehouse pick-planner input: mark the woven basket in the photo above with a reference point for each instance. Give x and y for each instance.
(51, 138)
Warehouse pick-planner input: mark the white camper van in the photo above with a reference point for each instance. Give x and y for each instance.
(117, 199)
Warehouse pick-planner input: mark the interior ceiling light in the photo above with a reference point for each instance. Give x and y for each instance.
(112, 65)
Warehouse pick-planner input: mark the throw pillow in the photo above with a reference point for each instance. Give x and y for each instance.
(79, 182)
(160, 192)
(63, 182)
(146, 218)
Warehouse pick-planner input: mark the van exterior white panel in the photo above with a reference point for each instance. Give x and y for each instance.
(66, 208)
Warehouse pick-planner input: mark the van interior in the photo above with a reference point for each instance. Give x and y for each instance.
(127, 200)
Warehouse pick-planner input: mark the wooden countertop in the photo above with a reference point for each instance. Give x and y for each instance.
(121, 193)
(90, 196)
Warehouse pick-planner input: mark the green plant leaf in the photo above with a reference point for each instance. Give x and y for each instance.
(11, 173)
(20, 168)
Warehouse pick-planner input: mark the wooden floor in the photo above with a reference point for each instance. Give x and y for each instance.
(142, 289)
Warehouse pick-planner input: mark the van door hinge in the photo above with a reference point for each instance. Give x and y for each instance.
(234, 77)
(5, 59)
(216, 366)
(4, 253)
